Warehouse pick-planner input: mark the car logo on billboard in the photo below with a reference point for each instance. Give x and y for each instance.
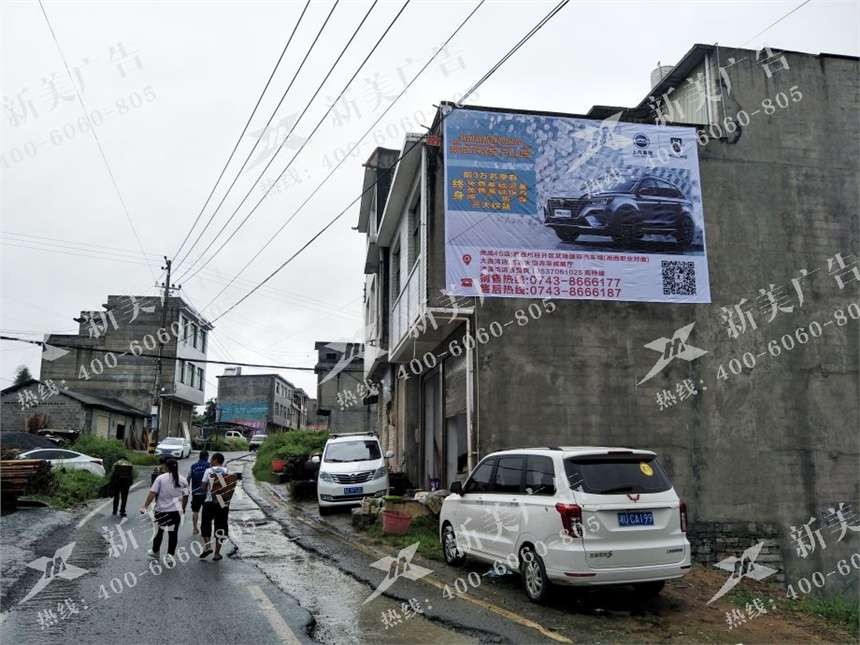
(641, 141)
(677, 144)
(465, 282)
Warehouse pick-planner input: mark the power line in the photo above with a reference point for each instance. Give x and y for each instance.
(257, 142)
(245, 129)
(194, 360)
(777, 22)
(289, 134)
(342, 161)
(389, 170)
(121, 255)
(95, 136)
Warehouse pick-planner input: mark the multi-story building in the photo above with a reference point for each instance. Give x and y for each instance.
(343, 397)
(532, 277)
(264, 403)
(138, 352)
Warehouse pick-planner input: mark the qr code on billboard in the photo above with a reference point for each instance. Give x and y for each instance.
(679, 278)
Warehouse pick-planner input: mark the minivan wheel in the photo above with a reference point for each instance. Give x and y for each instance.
(453, 556)
(536, 583)
(325, 510)
(649, 589)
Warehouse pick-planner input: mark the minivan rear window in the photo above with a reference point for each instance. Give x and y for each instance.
(616, 475)
(347, 451)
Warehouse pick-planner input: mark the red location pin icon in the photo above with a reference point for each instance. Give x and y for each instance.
(467, 259)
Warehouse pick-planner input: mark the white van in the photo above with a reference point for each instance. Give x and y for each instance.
(352, 468)
(569, 516)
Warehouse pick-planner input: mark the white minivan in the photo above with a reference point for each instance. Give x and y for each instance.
(569, 516)
(352, 468)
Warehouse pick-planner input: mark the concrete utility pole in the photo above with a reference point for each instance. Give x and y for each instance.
(159, 381)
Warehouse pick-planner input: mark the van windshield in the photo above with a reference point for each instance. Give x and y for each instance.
(347, 451)
(616, 475)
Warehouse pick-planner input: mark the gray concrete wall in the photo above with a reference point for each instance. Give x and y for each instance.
(133, 380)
(775, 445)
(61, 412)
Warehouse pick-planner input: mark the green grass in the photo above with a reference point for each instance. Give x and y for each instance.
(240, 445)
(283, 445)
(73, 487)
(836, 610)
(143, 459)
(424, 529)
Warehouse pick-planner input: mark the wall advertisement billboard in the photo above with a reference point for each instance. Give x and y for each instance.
(253, 415)
(569, 208)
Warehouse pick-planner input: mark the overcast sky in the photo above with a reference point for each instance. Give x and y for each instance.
(173, 83)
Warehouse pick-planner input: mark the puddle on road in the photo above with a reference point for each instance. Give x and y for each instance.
(334, 598)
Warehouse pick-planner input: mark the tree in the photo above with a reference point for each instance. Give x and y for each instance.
(22, 375)
(209, 413)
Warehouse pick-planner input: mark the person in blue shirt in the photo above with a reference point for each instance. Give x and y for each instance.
(195, 477)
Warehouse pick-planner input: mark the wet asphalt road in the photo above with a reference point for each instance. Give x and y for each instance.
(269, 588)
(288, 577)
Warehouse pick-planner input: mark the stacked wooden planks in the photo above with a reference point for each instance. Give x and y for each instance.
(20, 476)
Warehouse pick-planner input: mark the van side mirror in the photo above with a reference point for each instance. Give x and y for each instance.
(456, 487)
(389, 454)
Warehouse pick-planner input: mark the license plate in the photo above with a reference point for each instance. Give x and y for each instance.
(355, 490)
(636, 518)
(561, 212)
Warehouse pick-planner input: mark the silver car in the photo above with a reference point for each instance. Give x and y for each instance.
(68, 459)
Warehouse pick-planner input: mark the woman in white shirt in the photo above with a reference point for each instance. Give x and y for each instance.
(169, 491)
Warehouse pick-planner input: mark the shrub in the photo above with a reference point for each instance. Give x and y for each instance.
(108, 450)
(284, 445)
(73, 487)
(241, 445)
(143, 459)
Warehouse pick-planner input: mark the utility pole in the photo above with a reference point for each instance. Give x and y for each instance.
(159, 381)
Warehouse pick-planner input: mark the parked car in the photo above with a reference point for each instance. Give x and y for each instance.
(234, 434)
(176, 447)
(570, 516)
(68, 459)
(352, 468)
(256, 441)
(626, 213)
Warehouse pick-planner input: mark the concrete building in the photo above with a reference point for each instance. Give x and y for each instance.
(755, 453)
(265, 403)
(343, 399)
(115, 355)
(43, 405)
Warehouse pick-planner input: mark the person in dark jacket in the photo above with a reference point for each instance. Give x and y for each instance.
(121, 477)
(195, 477)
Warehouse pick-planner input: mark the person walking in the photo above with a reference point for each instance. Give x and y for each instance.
(121, 476)
(195, 477)
(168, 491)
(215, 508)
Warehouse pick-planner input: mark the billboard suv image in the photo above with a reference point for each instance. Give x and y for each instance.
(626, 213)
